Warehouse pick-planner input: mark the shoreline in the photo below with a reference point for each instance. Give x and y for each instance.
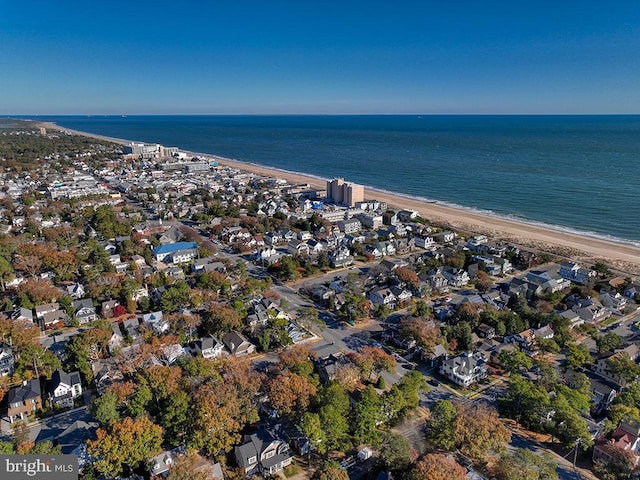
(579, 247)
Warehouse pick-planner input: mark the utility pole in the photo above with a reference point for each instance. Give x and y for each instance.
(575, 452)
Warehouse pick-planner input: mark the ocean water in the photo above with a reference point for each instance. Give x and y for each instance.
(578, 173)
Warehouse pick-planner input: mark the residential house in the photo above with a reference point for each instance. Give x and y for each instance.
(456, 277)
(591, 310)
(625, 437)
(6, 360)
(436, 280)
(238, 344)
(24, 400)
(340, 257)
(116, 340)
(526, 341)
(132, 328)
(105, 374)
(55, 318)
(118, 264)
(156, 322)
(109, 310)
(632, 291)
(573, 317)
(424, 241)
(382, 296)
(486, 331)
(173, 235)
(263, 453)
(602, 367)
(64, 388)
(445, 236)
(464, 369)
(209, 347)
(73, 440)
(171, 353)
(84, 311)
(160, 465)
(21, 314)
(41, 310)
(178, 252)
(575, 273)
(258, 317)
(75, 290)
(614, 301)
(350, 226)
(297, 247)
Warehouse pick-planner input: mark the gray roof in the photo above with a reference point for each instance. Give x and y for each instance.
(60, 377)
(24, 392)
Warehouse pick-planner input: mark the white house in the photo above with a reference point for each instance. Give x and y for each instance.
(465, 369)
(64, 388)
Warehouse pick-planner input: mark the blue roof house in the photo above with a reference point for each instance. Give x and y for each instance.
(178, 252)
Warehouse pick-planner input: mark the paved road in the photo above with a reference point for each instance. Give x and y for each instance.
(49, 428)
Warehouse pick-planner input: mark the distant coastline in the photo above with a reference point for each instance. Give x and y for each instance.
(581, 246)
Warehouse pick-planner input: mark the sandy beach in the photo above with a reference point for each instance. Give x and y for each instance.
(584, 249)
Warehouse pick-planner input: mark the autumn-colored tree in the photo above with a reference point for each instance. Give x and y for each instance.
(373, 360)
(126, 442)
(408, 276)
(347, 375)
(240, 374)
(162, 380)
(290, 393)
(330, 471)
(28, 264)
(190, 466)
(483, 281)
(220, 318)
(425, 332)
(122, 390)
(20, 334)
(298, 359)
(438, 466)
(479, 432)
(39, 291)
(216, 419)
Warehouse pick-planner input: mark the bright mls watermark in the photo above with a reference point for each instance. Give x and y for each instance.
(38, 467)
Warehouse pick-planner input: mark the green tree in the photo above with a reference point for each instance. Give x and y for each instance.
(526, 402)
(577, 355)
(367, 414)
(311, 426)
(524, 464)
(441, 425)
(6, 273)
(105, 408)
(608, 342)
(395, 452)
(174, 417)
(514, 360)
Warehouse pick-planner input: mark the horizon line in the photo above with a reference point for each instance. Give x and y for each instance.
(124, 115)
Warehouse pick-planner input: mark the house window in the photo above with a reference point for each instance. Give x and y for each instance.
(269, 454)
(252, 460)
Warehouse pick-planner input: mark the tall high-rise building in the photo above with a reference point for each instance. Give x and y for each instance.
(344, 193)
(353, 194)
(334, 190)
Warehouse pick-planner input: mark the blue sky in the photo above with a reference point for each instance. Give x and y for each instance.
(305, 56)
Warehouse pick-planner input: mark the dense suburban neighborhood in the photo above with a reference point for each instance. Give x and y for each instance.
(166, 316)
